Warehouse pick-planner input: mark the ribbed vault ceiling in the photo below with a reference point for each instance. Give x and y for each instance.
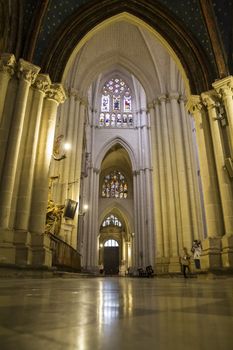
(122, 45)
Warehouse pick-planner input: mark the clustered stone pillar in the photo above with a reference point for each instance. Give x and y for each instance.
(215, 148)
(72, 118)
(177, 208)
(27, 128)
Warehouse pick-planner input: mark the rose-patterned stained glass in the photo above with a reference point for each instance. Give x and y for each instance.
(111, 220)
(116, 100)
(114, 185)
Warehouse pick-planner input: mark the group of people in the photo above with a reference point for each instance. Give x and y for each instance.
(185, 259)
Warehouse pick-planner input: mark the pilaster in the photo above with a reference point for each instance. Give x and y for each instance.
(27, 74)
(22, 238)
(212, 214)
(225, 185)
(55, 94)
(7, 69)
(224, 88)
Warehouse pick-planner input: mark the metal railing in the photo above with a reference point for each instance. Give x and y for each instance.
(64, 256)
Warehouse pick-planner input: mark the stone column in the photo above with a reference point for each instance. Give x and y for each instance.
(75, 176)
(191, 170)
(91, 220)
(158, 180)
(40, 242)
(22, 235)
(212, 214)
(136, 236)
(27, 74)
(179, 145)
(7, 69)
(224, 88)
(164, 155)
(9, 182)
(225, 183)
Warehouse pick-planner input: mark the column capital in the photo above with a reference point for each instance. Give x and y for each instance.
(96, 170)
(173, 95)
(7, 63)
(183, 98)
(150, 105)
(210, 99)
(72, 92)
(162, 98)
(224, 87)
(27, 71)
(83, 102)
(42, 82)
(194, 104)
(56, 92)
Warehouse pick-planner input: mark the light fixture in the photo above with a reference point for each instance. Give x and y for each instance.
(83, 212)
(60, 148)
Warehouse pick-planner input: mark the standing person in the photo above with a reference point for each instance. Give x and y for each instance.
(185, 262)
(196, 250)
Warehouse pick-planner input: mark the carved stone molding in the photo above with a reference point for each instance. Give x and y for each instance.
(96, 170)
(150, 105)
(194, 104)
(7, 63)
(224, 87)
(173, 95)
(42, 82)
(56, 92)
(210, 99)
(27, 71)
(72, 92)
(183, 99)
(162, 98)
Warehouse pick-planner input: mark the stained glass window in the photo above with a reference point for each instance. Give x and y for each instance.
(114, 185)
(111, 220)
(116, 104)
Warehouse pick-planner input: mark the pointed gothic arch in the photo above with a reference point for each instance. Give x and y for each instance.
(117, 140)
(83, 25)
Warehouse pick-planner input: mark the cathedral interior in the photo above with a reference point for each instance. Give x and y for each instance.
(116, 154)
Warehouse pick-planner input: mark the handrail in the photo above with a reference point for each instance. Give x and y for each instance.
(64, 255)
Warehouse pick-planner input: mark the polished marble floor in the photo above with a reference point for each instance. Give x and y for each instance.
(108, 313)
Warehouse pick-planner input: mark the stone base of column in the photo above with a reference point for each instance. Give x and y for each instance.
(211, 253)
(174, 265)
(227, 251)
(41, 250)
(162, 265)
(7, 248)
(93, 270)
(23, 254)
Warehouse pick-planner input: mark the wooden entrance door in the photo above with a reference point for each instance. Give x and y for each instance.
(111, 260)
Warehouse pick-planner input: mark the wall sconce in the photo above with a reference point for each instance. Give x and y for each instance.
(60, 148)
(83, 212)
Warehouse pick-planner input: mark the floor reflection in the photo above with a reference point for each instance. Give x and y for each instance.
(112, 313)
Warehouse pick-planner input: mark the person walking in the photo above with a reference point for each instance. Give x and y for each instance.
(185, 262)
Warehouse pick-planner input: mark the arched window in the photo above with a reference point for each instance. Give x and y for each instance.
(111, 243)
(114, 185)
(111, 220)
(116, 104)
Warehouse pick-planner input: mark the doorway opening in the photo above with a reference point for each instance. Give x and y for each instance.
(111, 257)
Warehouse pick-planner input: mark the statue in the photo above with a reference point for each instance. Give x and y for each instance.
(53, 217)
